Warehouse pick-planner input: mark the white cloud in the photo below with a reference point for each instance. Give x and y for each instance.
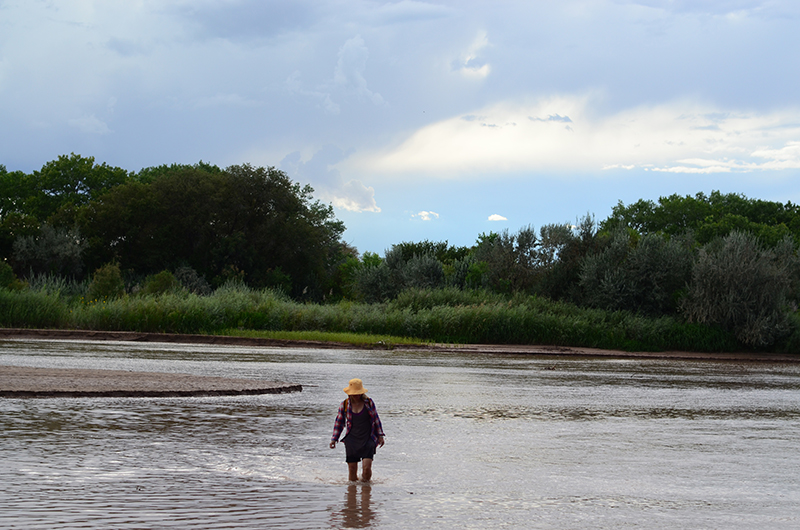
(471, 63)
(566, 133)
(348, 78)
(354, 196)
(320, 172)
(90, 124)
(426, 216)
(295, 86)
(349, 72)
(497, 217)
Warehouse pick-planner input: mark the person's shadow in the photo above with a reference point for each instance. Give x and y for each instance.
(357, 511)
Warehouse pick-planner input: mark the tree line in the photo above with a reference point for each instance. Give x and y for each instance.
(720, 260)
(243, 222)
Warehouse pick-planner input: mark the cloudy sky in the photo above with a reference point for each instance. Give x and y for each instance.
(419, 120)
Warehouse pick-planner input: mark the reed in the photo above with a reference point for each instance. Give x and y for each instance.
(33, 309)
(435, 315)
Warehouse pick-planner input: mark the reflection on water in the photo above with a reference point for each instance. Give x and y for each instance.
(357, 511)
(472, 442)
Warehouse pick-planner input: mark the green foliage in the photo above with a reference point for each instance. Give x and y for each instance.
(371, 259)
(421, 299)
(791, 344)
(509, 259)
(68, 181)
(253, 225)
(106, 283)
(149, 174)
(477, 274)
(714, 228)
(458, 273)
(520, 262)
(561, 280)
(742, 286)
(423, 271)
(163, 282)
(637, 274)
(374, 284)
(278, 280)
(14, 225)
(59, 286)
(709, 217)
(7, 276)
(244, 220)
(408, 265)
(28, 308)
(439, 250)
(191, 281)
(448, 315)
(53, 251)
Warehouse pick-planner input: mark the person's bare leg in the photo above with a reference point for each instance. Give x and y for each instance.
(366, 469)
(352, 471)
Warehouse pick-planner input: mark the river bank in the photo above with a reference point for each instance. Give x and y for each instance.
(61, 334)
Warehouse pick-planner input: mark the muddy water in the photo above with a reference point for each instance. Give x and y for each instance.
(472, 442)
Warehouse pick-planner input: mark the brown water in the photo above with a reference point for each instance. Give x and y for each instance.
(472, 442)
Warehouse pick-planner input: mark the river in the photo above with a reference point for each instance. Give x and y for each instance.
(472, 441)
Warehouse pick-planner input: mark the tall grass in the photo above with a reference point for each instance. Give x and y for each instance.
(445, 315)
(33, 309)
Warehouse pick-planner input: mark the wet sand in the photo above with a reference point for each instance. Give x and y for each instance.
(25, 382)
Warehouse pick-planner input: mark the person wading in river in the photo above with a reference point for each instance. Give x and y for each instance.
(364, 430)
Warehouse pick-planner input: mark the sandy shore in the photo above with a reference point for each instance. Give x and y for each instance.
(57, 334)
(16, 381)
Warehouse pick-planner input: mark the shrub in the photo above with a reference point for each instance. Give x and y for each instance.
(423, 272)
(374, 284)
(643, 275)
(741, 286)
(106, 283)
(7, 276)
(163, 282)
(191, 281)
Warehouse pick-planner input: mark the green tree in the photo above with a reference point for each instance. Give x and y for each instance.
(742, 286)
(562, 279)
(644, 274)
(709, 217)
(253, 221)
(69, 181)
(57, 251)
(442, 251)
(51, 195)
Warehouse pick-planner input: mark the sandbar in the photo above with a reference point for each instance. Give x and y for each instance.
(29, 382)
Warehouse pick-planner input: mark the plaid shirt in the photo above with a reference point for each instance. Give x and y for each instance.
(345, 417)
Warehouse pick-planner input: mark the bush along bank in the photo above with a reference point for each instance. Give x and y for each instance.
(438, 315)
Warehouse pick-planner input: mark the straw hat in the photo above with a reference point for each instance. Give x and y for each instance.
(355, 387)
